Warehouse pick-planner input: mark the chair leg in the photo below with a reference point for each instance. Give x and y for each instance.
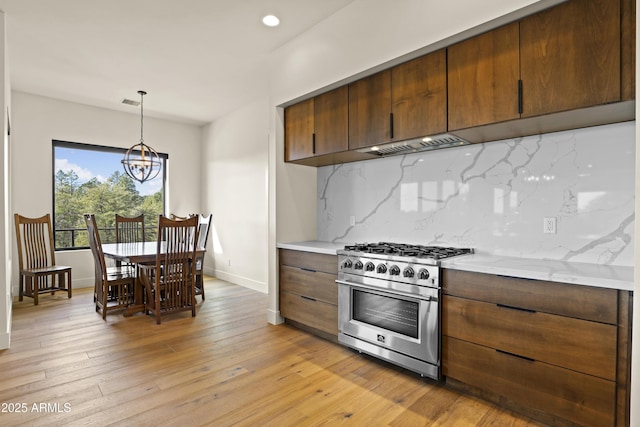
(105, 292)
(157, 305)
(21, 288)
(69, 284)
(35, 288)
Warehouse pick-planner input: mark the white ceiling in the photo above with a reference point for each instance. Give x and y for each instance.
(197, 59)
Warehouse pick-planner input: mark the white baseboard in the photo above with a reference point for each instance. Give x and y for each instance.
(241, 280)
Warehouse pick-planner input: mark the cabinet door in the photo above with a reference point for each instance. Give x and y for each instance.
(545, 391)
(298, 131)
(483, 75)
(331, 121)
(419, 97)
(628, 49)
(570, 57)
(370, 110)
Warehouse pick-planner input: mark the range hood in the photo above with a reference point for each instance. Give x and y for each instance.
(409, 146)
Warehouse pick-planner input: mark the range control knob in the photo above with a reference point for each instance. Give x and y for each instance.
(347, 263)
(357, 265)
(408, 272)
(381, 269)
(394, 270)
(423, 274)
(369, 266)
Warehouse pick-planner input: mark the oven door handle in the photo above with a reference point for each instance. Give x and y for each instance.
(391, 291)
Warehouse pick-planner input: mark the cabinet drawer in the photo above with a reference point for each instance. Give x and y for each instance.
(580, 398)
(317, 285)
(316, 314)
(582, 302)
(309, 260)
(575, 344)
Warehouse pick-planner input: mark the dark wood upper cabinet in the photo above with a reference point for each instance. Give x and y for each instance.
(483, 74)
(566, 58)
(298, 134)
(317, 126)
(567, 67)
(628, 49)
(331, 118)
(570, 57)
(370, 110)
(419, 96)
(407, 101)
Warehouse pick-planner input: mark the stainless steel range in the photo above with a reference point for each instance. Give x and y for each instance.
(388, 302)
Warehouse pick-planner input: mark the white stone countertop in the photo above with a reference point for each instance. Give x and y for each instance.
(598, 275)
(313, 246)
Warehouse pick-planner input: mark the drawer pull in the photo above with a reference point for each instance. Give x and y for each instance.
(308, 298)
(515, 277)
(510, 307)
(310, 270)
(528, 359)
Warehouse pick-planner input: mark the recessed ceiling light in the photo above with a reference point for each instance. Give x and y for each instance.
(271, 21)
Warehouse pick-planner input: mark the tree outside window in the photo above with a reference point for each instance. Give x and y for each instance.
(90, 179)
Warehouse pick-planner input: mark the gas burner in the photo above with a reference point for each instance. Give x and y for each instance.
(407, 250)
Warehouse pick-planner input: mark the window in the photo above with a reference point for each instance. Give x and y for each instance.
(91, 179)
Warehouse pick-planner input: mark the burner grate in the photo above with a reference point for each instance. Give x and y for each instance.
(408, 250)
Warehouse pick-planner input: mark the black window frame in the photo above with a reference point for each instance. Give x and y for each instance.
(55, 143)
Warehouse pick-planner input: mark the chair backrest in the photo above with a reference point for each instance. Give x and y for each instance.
(180, 218)
(204, 223)
(96, 247)
(35, 241)
(178, 249)
(129, 229)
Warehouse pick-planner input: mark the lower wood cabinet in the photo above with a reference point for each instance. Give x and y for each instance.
(308, 291)
(553, 351)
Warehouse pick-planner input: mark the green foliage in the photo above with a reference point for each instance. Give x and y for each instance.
(118, 194)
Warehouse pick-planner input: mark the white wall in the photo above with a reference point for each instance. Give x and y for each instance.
(5, 199)
(235, 158)
(37, 120)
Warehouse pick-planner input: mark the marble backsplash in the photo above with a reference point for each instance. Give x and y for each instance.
(494, 197)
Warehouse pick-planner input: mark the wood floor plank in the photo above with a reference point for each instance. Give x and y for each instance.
(225, 367)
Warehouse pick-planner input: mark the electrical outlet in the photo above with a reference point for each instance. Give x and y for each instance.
(352, 220)
(549, 225)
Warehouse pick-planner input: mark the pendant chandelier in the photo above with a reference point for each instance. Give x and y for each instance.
(141, 162)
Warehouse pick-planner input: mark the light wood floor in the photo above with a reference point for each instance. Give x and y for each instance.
(227, 366)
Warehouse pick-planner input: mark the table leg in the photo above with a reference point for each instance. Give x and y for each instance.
(138, 305)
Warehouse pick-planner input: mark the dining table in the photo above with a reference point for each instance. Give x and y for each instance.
(137, 253)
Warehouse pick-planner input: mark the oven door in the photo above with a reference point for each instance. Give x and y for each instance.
(403, 323)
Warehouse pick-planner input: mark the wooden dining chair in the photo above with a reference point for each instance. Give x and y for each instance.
(114, 286)
(39, 272)
(129, 229)
(204, 223)
(169, 282)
